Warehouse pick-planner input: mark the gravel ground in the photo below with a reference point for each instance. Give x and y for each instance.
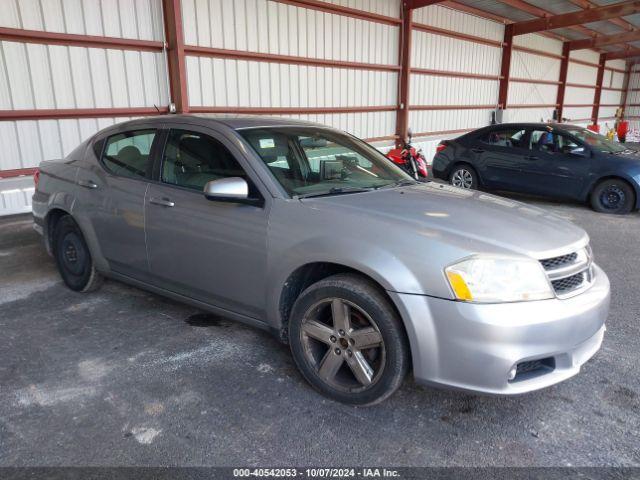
(124, 377)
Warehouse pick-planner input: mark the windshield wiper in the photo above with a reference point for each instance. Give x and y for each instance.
(400, 183)
(335, 191)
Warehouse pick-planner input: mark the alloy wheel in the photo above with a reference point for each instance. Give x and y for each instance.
(343, 344)
(462, 178)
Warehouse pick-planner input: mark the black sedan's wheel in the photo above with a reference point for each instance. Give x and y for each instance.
(73, 257)
(464, 176)
(347, 340)
(613, 196)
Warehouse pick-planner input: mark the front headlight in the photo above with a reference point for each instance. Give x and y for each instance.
(494, 279)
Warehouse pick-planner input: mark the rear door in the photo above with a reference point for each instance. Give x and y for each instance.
(500, 154)
(111, 197)
(558, 165)
(211, 251)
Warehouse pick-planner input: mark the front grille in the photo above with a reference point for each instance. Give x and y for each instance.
(571, 273)
(568, 284)
(557, 262)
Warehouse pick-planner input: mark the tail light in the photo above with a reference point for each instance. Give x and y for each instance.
(441, 147)
(36, 177)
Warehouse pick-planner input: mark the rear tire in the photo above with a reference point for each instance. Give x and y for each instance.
(613, 196)
(464, 176)
(73, 258)
(348, 341)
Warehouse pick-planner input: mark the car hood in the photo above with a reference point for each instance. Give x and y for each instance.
(480, 219)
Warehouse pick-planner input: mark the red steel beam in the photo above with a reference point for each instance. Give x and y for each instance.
(564, 68)
(413, 4)
(534, 80)
(453, 107)
(604, 40)
(74, 40)
(505, 67)
(340, 10)
(404, 79)
(540, 12)
(534, 51)
(450, 73)
(631, 52)
(292, 110)
(288, 59)
(46, 114)
(586, 4)
(577, 18)
(461, 36)
(20, 172)
(625, 88)
(598, 93)
(174, 34)
(442, 132)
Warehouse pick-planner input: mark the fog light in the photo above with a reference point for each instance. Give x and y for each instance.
(512, 372)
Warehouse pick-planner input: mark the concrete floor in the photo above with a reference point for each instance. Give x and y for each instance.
(123, 377)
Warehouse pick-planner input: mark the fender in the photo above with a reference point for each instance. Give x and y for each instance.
(377, 263)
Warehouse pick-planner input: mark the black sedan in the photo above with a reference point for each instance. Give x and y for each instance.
(556, 160)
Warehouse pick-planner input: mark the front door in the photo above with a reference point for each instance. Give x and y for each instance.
(500, 155)
(557, 165)
(211, 251)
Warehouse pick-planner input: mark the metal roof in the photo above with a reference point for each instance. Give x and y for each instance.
(511, 11)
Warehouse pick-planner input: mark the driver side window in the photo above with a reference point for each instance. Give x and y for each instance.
(192, 159)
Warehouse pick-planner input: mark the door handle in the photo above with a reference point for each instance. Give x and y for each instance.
(163, 202)
(477, 150)
(87, 183)
(531, 157)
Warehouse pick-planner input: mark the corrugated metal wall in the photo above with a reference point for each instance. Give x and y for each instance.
(451, 56)
(267, 27)
(454, 82)
(632, 105)
(36, 76)
(531, 70)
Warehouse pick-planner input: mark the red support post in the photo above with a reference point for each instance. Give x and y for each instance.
(598, 93)
(174, 33)
(505, 66)
(404, 78)
(564, 68)
(625, 87)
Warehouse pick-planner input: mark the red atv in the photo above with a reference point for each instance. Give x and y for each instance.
(410, 159)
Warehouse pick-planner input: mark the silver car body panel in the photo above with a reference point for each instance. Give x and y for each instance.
(236, 259)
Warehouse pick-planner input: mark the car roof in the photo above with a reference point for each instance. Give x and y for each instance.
(234, 122)
(534, 125)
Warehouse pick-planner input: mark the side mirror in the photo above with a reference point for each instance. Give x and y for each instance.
(578, 152)
(231, 189)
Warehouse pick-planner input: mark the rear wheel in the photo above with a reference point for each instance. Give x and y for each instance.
(464, 176)
(348, 341)
(613, 196)
(73, 257)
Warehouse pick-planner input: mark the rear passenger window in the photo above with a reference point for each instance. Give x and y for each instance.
(127, 154)
(192, 159)
(504, 138)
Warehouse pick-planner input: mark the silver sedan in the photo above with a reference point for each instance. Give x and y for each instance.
(312, 234)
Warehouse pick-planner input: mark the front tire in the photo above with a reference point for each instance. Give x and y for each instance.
(348, 341)
(613, 196)
(464, 176)
(73, 258)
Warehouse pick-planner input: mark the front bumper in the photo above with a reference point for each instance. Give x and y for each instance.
(475, 346)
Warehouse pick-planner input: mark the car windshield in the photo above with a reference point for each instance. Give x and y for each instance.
(315, 161)
(595, 141)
